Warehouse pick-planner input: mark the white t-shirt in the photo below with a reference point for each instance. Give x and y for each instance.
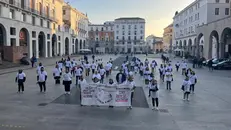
(184, 65)
(68, 63)
(93, 66)
(152, 93)
(21, 76)
(170, 68)
(193, 79)
(42, 76)
(82, 82)
(186, 85)
(102, 71)
(168, 76)
(56, 71)
(87, 66)
(39, 69)
(131, 85)
(96, 76)
(78, 72)
(67, 76)
(110, 64)
(108, 67)
(132, 63)
(147, 74)
(60, 65)
(153, 64)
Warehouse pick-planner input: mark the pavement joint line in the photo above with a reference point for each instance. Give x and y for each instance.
(11, 126)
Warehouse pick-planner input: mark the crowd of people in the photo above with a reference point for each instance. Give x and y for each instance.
(99, 71)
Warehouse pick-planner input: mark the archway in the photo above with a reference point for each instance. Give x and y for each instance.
(66, 46)
(42, 45)
(180, 49)
(24, 41)
(81, 46)
(84, 45)
(76, 46)
(200, 45)
(54, 45)
(189, 47)
(2, 40)
(213, 45)
(225, 45)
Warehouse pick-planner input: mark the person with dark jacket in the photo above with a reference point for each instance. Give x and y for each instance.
(120, 77)
(210, 65)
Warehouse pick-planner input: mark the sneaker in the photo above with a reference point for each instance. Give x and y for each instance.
(153, 108)
(184, 99)
(187, 99)
(157, 108)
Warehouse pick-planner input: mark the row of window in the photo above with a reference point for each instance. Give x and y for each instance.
(129, 26)
(217, 11)
(129, 38)
(129, 32)
(218, 1)
(102, 29)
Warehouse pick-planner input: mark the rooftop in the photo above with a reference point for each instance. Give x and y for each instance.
(130, 18)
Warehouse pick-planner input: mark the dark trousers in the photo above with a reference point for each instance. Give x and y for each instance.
(32, 64)
(107, 73)
(183, 71)
(77, 80)
(102, 78)
(67, 87)
(57, 79)
(192, 87)
(177, 69)
(186, 95)
(93, 71)
(168, 83)
(132, 95)
(20, 86)
(132, 68)
(210, 68)
(42, 86)
(155, 102)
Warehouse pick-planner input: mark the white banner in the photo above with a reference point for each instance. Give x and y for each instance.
(103, 95)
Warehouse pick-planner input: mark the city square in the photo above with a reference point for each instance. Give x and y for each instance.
(208, 108)
(113, 65)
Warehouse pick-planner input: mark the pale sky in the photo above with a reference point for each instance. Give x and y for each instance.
(157, 13)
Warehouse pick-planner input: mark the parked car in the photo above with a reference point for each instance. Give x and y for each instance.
(25, 61)
(225, 64)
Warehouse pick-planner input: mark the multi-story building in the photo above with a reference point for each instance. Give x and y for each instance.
(167, 38)
(129, 35)
(32, 27)
(198, 13)
(76, 24)
(151, 40)
(101, 37)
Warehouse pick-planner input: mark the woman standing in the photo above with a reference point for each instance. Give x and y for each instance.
(131, 83)
(56, 74)
(193, 80)
(186, 88)
(154, 94)
(169, 79)
(67, 80)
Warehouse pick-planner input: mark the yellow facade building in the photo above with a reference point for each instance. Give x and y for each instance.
(167, 38)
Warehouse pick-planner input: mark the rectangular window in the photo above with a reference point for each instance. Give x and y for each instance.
(34, 34)
(41, 22)
(48, 24)
(217, 1)
(64, 12)
(12, 31)
(48, 36)
(33, 20)
(54, 26)
(11, 14)
(23, 17)
(13, 42)
(227, 1)
(216, 11)
(226, 11)
(59, 38)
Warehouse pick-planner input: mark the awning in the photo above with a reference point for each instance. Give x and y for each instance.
(178, 49)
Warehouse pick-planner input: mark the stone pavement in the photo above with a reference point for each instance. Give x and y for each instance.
(208, 109)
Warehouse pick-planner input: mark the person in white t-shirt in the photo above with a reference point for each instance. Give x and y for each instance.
(42, 78)
(147, 74)
(153, 66)
(186, 88)
(162, 72)
(193, 80)
(67, 80)
(57, 74)
(68, 64)
(39, 68)
(170, 67)
(82, 82)
(93, 67)
(154, 94)
(107, 68)
(110, 64)
(87, 67)
(60, 64)
(96, 77)
(184, 67)
(169, 79)
(20, 79)
(78, 74)
(131, 83)
(177, 66)
(102, 72)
